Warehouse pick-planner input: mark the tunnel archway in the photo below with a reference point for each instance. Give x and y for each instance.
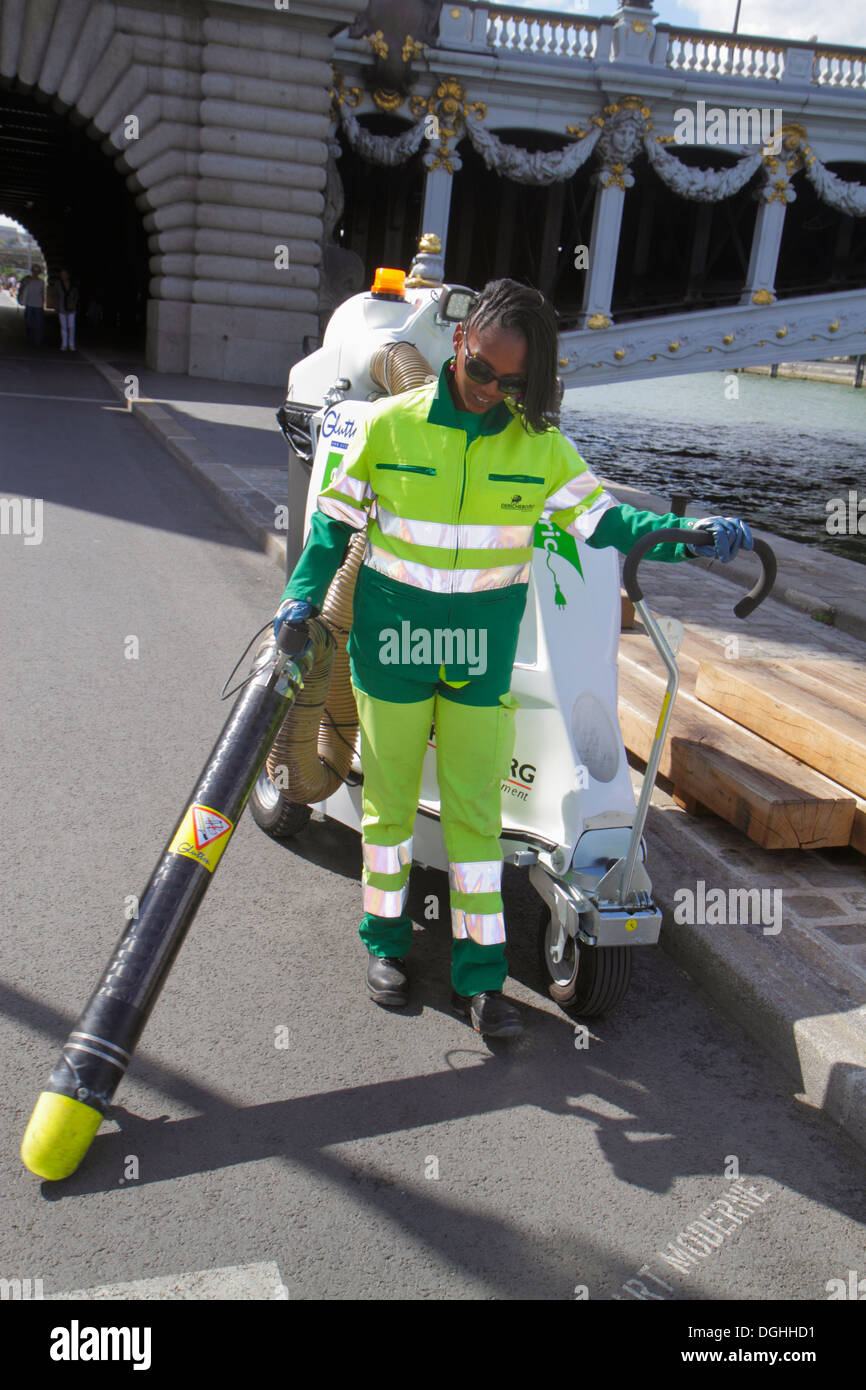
(56, 181)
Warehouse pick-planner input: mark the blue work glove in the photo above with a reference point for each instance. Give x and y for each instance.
(729, 534)
(295, 612)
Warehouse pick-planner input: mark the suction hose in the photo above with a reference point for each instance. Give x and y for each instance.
(400, 367)
(313, 752)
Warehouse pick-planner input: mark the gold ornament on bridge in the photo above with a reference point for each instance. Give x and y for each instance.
(629, 104)
(448, 104)
(422, 272)
(377, 43)
(387, 100)
(342, 96)
(617, 177)
(834, 326)
(411, 49)
(598, 321)
(619, 354)
(728, 338)
(781, 332)
(763, 297)
(781, 194)
(673, 347)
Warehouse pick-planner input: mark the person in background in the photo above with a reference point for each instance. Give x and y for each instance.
(67, 307)
(32, 296)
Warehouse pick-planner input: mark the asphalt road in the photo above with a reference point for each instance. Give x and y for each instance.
(277, 1119)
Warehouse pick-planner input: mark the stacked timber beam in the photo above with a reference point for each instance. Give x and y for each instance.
(774, 748)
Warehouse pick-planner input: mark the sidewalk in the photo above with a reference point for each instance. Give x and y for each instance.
(800, 991)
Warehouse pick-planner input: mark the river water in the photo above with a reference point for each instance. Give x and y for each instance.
(776, 454)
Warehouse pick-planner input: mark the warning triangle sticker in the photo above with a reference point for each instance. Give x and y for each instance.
(208, 825)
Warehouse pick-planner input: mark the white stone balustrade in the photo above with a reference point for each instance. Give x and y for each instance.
(539, 34)
(694, 52)
(840, 68)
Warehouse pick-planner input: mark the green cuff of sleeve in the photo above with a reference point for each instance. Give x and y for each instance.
(621, 526)
(320, 559)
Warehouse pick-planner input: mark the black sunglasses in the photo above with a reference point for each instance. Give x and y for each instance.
(478, 371)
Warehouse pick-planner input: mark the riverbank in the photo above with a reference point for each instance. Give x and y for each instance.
(780, 455)
(838, 373)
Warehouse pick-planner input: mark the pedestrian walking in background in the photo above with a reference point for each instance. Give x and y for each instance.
(67, 308)
(32, 296)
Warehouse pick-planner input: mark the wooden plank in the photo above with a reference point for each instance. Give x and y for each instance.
(838, 675)
(757, 695)
(774, 799)
(845, 681)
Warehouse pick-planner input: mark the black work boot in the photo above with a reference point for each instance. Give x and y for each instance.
(387, 981)
(490, 1013)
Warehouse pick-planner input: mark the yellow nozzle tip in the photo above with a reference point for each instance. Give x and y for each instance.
(58, 1136)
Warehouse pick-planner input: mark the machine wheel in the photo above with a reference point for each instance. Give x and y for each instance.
(278, 817)
(589, 980)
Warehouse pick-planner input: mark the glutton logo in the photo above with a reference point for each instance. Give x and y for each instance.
(77, 1343)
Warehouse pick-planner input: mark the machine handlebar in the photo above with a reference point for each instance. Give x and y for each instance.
(678, 535)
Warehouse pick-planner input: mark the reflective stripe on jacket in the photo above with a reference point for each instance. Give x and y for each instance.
(455, 516)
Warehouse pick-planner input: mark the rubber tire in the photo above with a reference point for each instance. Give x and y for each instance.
(274, 813)
(598, 981)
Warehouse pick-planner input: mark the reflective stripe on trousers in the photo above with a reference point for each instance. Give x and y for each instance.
(473, 751)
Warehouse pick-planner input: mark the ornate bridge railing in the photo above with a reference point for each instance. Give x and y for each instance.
(588, 38)
(556, 35)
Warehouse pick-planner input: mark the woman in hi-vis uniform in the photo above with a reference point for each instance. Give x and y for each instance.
(449, 480)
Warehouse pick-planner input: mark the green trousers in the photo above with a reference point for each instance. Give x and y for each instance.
(474, 744)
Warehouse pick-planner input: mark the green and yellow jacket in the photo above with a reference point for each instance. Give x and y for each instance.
(449, 501)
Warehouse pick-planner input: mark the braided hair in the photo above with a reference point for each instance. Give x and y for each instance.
(521, 309)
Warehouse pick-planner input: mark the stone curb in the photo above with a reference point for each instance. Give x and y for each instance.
(227, 488)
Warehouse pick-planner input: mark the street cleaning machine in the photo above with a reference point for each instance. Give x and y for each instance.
(291, 739)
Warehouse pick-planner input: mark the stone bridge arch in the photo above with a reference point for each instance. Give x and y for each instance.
(217, 122)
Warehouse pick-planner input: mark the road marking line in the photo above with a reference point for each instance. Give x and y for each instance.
(251, 1282)
(38, 396)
